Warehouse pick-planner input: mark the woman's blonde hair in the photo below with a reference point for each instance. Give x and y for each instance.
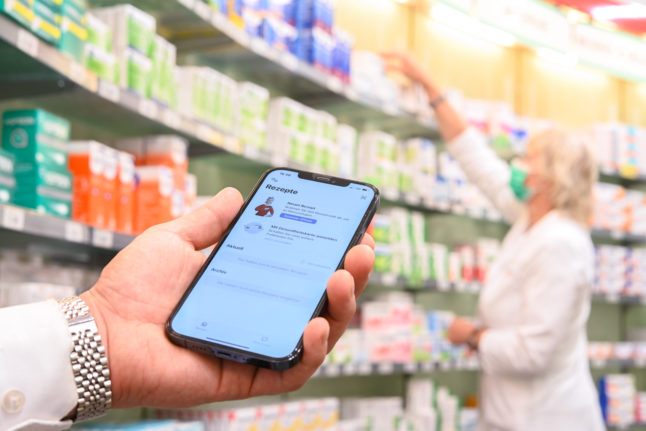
(569, 163)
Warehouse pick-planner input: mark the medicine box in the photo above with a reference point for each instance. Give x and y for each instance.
(20, 10)
(45, 24)
(87, 164)
(35, 136)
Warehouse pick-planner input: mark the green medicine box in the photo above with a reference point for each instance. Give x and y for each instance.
(47, 190)
(44, 177)
(44, 202)
(19, 10)
(73, 31)
(35, 136)
(45, 23)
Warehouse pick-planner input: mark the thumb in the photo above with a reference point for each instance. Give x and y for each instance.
(204, 226)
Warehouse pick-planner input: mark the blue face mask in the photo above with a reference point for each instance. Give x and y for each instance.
(517, 183)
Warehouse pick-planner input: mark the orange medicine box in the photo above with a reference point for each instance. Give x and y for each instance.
(154, 196)
(170, 151)
(86, 162)
(163, 150)
(110, 190)
(126, 193)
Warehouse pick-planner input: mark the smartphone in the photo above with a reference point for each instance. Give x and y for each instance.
(267, 276)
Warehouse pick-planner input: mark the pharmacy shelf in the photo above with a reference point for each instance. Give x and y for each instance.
(616, 235)
(204, 36)
(22, 221)
(618, 175)
(391, 281)
(41, 76)
(409, 368)
(391, 368)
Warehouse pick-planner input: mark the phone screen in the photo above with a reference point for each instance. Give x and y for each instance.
(262, 286)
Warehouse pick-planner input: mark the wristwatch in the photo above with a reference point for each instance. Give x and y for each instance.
(472, 340)
(89, 361)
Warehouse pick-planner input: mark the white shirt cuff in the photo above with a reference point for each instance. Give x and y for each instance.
(36, 378)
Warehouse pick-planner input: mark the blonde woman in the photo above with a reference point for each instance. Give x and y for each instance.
(533, 309)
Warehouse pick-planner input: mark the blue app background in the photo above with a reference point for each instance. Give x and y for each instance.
(260, 290)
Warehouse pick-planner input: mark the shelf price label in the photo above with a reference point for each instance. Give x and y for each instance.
(412, 199)
(231, 144)
(251, 152)
(351, 93)
(109, 91)
(350, 369)
(27, 42)
(188, 4)
(103, 238)
(171, 119)
(410, 367)
(334, 84)
(289, 61)
(74, 232)
(599, 363)
(364, 368)
(148, 108)
(218, 20)
(203, 10)
(616, 234)
(386, 368)
(389, 279)
(332, 370)
(13, 218)
(427, 367)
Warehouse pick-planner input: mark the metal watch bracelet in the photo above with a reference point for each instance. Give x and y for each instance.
(89, 361)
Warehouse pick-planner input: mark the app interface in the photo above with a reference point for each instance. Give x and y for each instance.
(262, 287)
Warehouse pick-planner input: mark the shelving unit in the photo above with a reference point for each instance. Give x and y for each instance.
(41, 76)
(57, 230)
(389, 368)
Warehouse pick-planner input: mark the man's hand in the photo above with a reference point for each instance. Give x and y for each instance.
(140, 287)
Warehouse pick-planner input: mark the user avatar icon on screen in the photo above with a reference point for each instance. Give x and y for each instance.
(265, 210)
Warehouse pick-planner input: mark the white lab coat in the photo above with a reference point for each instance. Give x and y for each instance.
(535, 373)
(35, 348)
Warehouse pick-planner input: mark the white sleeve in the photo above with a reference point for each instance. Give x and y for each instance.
(555, 311)
(37, 386)
(486, 170)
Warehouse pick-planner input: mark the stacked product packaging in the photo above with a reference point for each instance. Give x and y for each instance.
(402, 251)
(304, 28)
(395, 330)
(619, 209)
(617, 395)
(37, 142)
(212, 97)
(305, 135)
(621, 148)
(146, 62)
(429, 408)
(29, 277)
(147, 425)
(61, 23)
(143, 182)
(434, 408)
(306, 415)
(601, 352)
(165, 190)
(620, 271)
